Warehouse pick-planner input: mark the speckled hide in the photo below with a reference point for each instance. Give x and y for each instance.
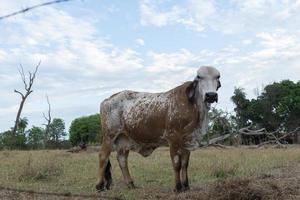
(142, 121)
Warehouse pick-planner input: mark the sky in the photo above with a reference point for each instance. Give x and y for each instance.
(91, 49)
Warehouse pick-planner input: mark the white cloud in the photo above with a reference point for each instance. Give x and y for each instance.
(140, 41)
(247, 41)
(192, 15)
(235, 17)
(277, 39)
(153, 16)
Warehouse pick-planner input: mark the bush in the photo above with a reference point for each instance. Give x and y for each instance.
(85, 130)
(12, 142)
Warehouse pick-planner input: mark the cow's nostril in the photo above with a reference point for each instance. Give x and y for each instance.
(211, 95)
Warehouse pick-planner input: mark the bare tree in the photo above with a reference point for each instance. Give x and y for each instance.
(28, 90)
(48, 119)
(32, 7)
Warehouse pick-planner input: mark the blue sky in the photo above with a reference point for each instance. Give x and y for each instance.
(91, 49)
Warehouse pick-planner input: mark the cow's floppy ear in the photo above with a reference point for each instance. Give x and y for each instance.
(191, 91)
(219, 84)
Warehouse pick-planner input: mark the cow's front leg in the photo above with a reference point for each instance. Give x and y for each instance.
(176, 161)
(185, 157)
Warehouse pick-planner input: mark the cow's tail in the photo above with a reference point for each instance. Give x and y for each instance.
(107, 175)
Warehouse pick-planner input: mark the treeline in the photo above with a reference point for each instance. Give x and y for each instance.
(277, 107)
(83, 130)
(35, 137)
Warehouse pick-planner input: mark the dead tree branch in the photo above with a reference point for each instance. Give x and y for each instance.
(31, 8)
(275, 137)
(48, 119)
(28, 90)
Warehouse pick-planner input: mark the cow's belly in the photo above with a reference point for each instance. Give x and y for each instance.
(145, 126)
(149, 131)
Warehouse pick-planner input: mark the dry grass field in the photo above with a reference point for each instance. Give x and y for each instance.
(235, 173)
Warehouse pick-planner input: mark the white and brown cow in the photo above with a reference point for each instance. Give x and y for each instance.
(142, 122)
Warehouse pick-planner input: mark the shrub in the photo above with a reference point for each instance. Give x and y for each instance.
(85, 130)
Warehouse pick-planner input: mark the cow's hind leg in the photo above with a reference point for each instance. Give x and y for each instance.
(122, 156)
(105, 178)
(185, 157)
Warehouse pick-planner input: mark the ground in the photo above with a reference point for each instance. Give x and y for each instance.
(222, 174)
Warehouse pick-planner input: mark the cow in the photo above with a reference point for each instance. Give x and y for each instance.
(142, 122)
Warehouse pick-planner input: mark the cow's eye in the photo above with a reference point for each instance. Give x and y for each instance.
(199, 77)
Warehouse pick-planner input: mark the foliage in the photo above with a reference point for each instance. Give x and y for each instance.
(85, 129)
(278, 106)
(239, 99)
(35, 137)
(10, 141)
(22, 125)
(221, 122)
(57, 129)
(18, 141)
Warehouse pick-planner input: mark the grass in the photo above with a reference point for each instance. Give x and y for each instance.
(40, 170)
(58, 171)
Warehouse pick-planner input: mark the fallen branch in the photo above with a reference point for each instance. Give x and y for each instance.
(218, 139)
(275, 137)
(218, 145)
(247, 131)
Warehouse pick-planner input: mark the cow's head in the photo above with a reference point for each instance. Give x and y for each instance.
(205, 85)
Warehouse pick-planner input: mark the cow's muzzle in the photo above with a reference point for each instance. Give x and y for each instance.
(211, 97)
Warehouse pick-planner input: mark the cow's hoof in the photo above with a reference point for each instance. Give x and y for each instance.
(131, 185)
(108, 184)
(100, 187)
(185, 187)
(178, 188)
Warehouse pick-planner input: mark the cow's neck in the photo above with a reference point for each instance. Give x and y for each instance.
(203, 115)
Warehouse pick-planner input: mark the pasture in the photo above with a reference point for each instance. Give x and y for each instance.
(268, 173)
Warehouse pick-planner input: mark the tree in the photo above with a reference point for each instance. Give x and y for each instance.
(242, 105)
(85, 130)
(35, 137)
(22, 125)
(221, 122)
(28, 90)
(278, 106)
(57, 130)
